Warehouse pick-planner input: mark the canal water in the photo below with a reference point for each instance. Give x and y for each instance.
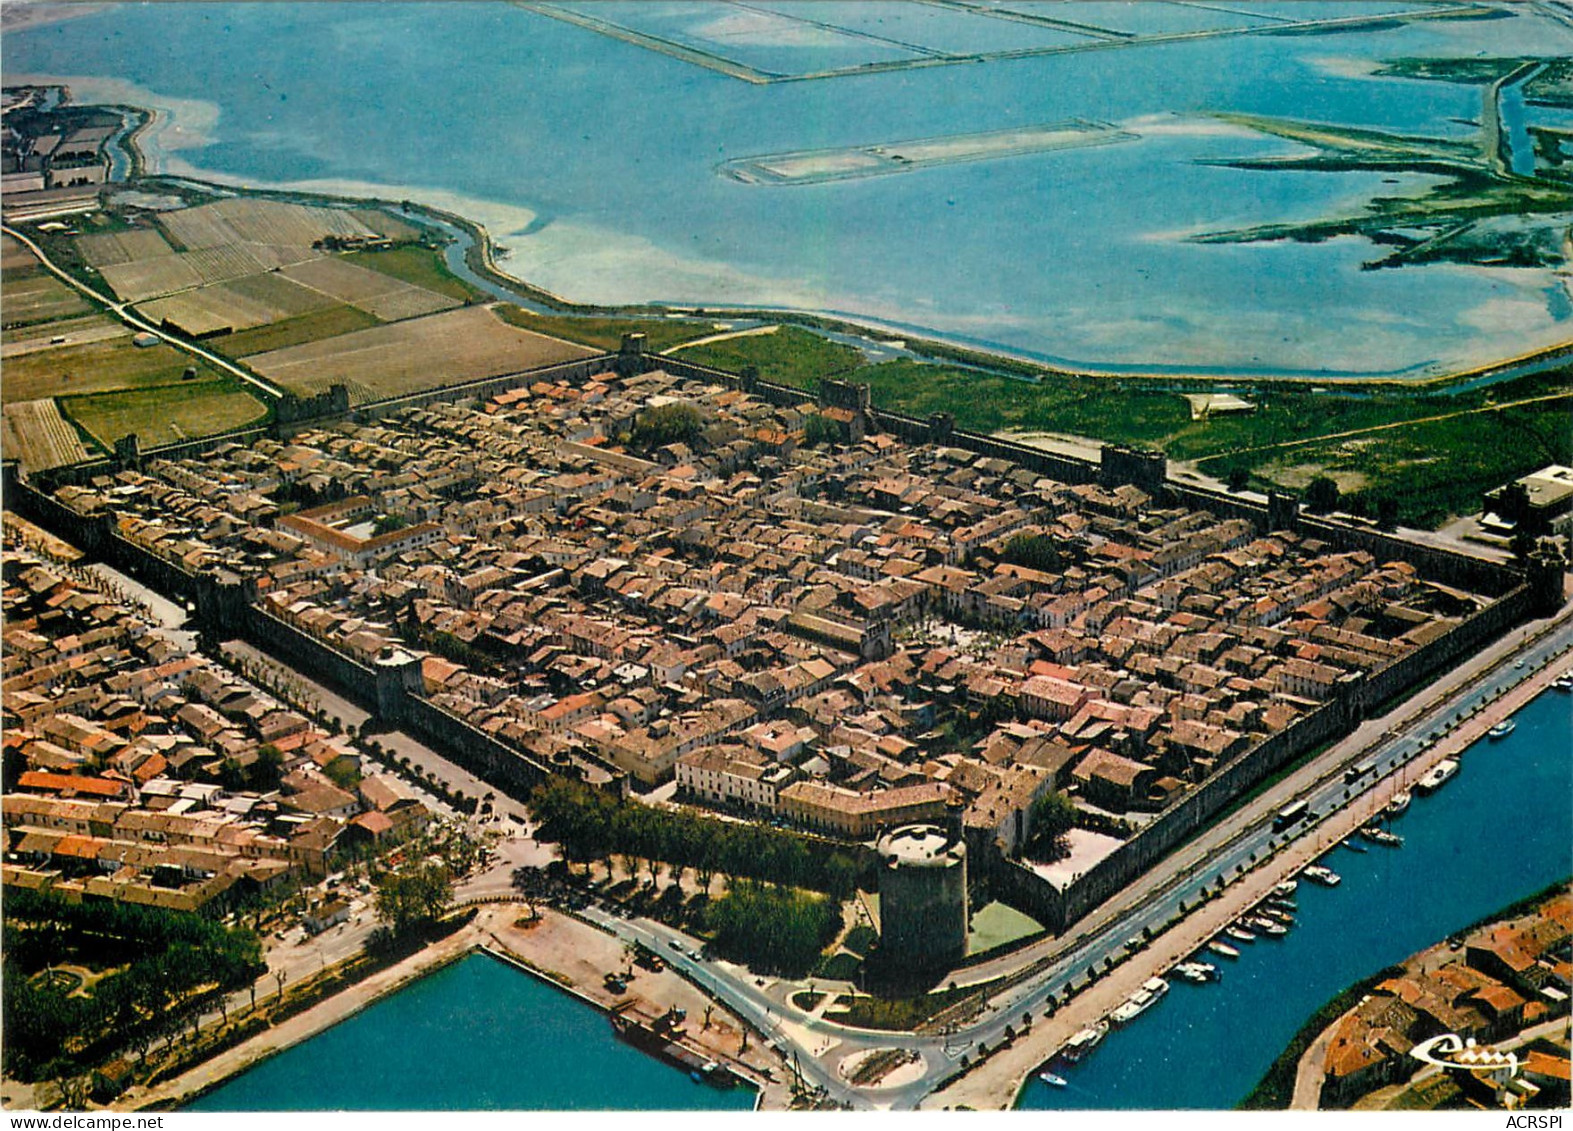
(1502, 829)
(594, 162)
(477, 1035)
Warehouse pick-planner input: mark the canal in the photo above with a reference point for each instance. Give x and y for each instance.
(477, 1035)
(1500, 830)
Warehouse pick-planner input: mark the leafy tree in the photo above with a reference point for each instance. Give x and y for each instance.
(672, 423)
(819, 429)
(414, 895)
(1034, 551)
(1321, 495)
(1237, 477)
(773, 929)
(388, 524)
(1052, 816)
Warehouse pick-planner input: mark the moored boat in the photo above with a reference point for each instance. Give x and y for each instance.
(1324, 876)
(1052, 1080)
(1379, 835)
(1354, 845)
(1439, 774)
(1398, 803)
(1240, 933)
(1268, 927)
(1218, 946)
(1287, 888)
(1563, 682)
(1197, 972)
(1084, 1042)
(1140, 1002)
(1502, 729)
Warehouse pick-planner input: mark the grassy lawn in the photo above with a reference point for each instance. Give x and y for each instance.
(995, 924)
(422, 266)
(96, 367)
(790, 355)
(329, 323)
(165, 414)
(607, 333)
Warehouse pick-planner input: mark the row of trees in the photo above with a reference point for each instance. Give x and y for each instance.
(591, 824)
(173, 963)
(770, 929)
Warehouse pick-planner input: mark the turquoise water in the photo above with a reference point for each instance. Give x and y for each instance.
(1500, 830)
(1073, 255)
(474, 1036)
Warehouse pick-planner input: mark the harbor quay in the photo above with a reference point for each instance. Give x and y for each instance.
(563, 952)
(997, 1082)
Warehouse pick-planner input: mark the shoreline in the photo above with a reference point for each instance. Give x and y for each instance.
(1309, 1070)
(480, 936)
(152, 157)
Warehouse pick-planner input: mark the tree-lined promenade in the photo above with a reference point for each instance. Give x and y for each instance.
(591, 825)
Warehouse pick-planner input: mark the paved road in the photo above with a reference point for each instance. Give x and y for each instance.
(123, 311)
(1152, 903)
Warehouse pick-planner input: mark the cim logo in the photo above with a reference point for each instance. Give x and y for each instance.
(1449, 1050)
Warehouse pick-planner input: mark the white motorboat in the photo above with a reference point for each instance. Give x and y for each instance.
(1052, 1080)
(1502, 729)
(1140, 1002)
(1218, 946)
(1439, 774)
(1324, 876)
(1398, 803)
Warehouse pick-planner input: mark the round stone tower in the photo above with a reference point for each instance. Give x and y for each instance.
(922, 898)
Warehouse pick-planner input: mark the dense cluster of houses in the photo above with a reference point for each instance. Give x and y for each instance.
(140, 771)
(1504, 980)
(840, 636)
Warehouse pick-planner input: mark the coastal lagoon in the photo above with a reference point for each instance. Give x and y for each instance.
(599, 163)
(1499, 831)
(477, 1035)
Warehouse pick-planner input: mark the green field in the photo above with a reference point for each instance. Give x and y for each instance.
(1430, 468)
(422, 266)
(607, 333)
(790, 355)
(96, 367)
(164, 414)
(329, 323)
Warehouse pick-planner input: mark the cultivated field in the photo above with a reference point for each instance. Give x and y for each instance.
(217, 243)
(95, 367)
(252, 300)
(14, 256)
(109, 249)
(166, 414)
(422, 353)
(327, 323)
(382, 296)
(35, 433)
(226, 222)
(88, 328)
(36, 297)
